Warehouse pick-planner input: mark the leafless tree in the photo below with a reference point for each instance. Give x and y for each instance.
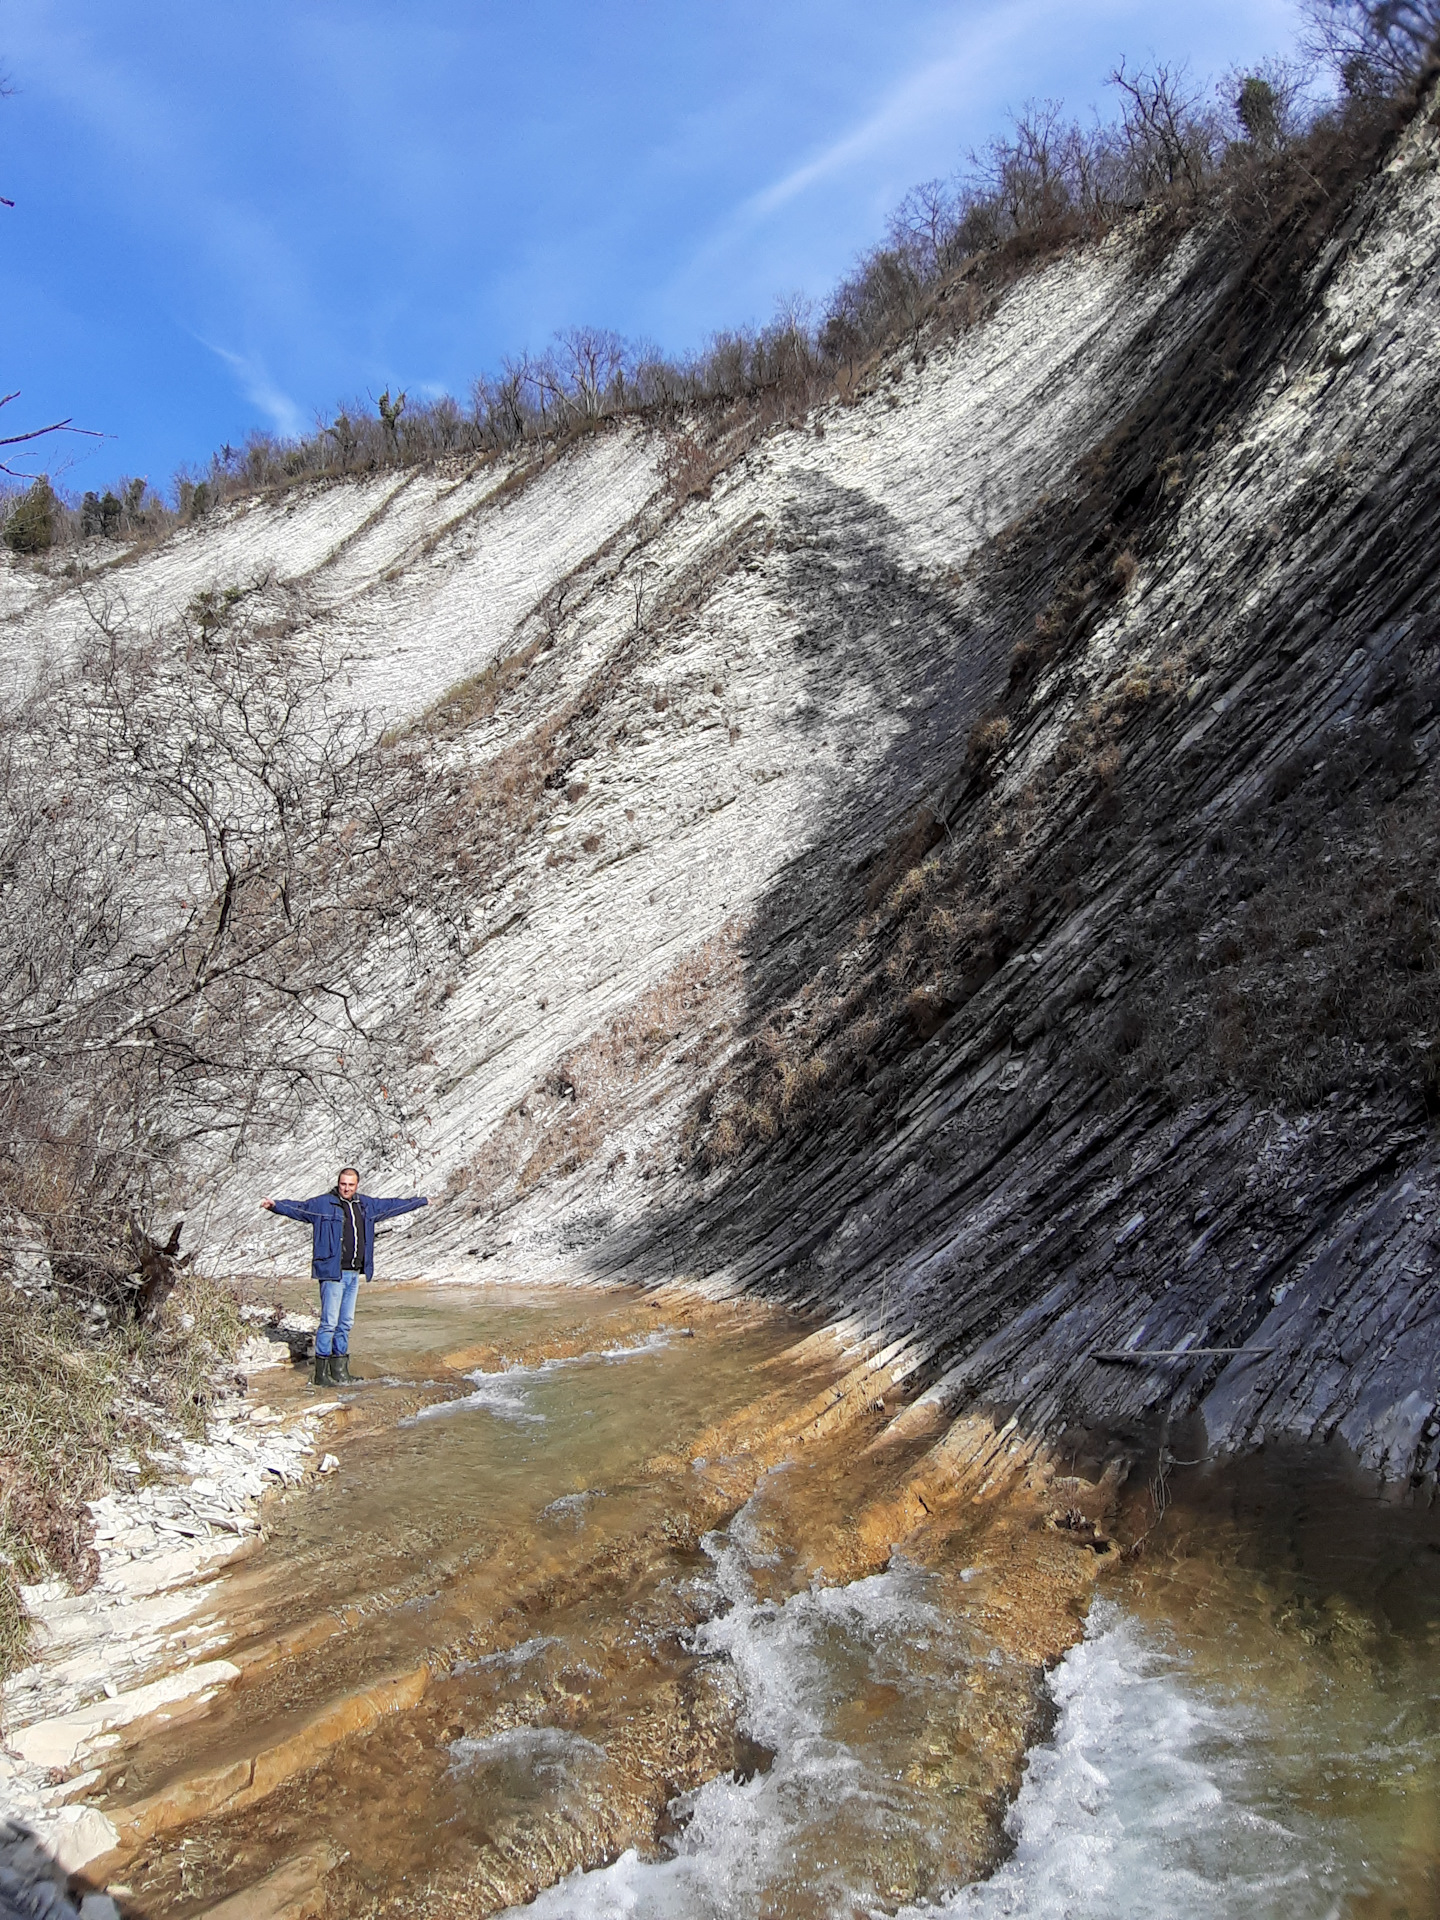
(501, 403)
(198, 839)
(922, 228)
(590, 366)
(1374, 46)
(1168, 135)
(1026, 172)
(884, 294)
(32, 434)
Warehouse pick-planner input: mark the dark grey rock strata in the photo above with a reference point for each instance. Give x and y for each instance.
(1070, 1163)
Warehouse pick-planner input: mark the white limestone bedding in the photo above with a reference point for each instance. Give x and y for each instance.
(733, 737)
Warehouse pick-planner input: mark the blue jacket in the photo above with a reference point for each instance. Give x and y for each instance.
(325, 1217)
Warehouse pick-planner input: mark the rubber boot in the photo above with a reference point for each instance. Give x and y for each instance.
(340, 1374)
(323, 1376)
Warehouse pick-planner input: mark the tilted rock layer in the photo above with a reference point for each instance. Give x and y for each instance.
(980, 875)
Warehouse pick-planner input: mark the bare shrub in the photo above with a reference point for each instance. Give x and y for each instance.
(477, 696)
(192, 839)
(1375, 47)
(688, 466)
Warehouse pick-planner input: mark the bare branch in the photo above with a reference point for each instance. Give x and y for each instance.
(36, 433)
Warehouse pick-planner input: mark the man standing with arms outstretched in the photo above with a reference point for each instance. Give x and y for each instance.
(342, 1226)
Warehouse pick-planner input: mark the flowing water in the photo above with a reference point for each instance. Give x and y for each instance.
(647, 1656)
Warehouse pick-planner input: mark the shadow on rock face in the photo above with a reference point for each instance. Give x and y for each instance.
(1005, 1094)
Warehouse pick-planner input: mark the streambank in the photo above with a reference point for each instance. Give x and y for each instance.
(126, 1648)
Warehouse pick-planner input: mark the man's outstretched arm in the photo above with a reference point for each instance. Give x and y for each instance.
(292, 1209)
(385, 1209)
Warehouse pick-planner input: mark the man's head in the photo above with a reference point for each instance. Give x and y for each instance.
(347, 1184)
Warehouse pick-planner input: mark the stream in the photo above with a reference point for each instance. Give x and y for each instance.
(584, 1625)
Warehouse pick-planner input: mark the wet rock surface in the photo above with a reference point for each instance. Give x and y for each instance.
(481, 1698)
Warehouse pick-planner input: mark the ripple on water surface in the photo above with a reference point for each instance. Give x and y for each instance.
(508, 1394)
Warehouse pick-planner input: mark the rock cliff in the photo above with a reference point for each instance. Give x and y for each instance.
(967, 869)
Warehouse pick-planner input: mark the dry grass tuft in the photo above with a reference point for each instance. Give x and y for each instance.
(475, 698)
(59, 1380)
(14, 1624)
(689, 466)
(989, 736)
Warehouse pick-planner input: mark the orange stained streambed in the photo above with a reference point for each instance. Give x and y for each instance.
(638, 1605)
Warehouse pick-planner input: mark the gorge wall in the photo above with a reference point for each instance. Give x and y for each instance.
(963, 863)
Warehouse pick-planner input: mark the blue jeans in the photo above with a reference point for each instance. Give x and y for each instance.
(337, 1313)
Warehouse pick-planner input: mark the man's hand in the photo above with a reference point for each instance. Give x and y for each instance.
(269, 1205)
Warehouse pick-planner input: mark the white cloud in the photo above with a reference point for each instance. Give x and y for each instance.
(930, 90)
(282, 412)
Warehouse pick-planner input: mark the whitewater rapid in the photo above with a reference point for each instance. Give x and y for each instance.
(1149, 1799)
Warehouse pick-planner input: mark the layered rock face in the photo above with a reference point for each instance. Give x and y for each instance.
(977, 870)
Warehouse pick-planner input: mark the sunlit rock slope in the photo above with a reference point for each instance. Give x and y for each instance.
(985, 887)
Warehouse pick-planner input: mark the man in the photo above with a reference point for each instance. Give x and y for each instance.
(342, 1227)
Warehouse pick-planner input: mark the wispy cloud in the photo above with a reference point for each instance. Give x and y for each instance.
(874, 155)
(928, 90)
(283, 413)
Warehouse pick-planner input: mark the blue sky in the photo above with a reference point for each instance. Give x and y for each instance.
(231, 216)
